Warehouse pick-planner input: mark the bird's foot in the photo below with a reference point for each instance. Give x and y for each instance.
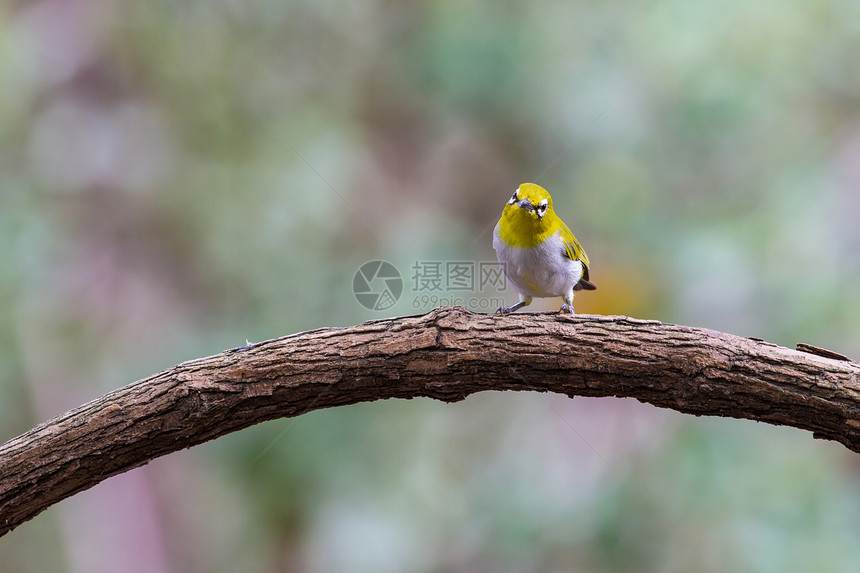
(566, 308)
(516, 307)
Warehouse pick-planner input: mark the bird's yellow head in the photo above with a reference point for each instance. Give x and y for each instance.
(528, 218)
(531, 202)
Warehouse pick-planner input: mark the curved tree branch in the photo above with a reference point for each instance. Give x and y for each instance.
(446, 354)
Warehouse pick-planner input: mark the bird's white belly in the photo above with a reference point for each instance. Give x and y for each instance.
(539, 272)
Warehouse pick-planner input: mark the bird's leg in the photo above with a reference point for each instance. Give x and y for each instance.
(524, 301)
(568, 303)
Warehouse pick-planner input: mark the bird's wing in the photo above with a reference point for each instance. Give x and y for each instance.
(573, 250)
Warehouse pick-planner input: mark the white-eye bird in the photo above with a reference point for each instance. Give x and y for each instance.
(540, 255)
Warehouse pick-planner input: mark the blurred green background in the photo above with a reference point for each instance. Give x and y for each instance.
(179, 176)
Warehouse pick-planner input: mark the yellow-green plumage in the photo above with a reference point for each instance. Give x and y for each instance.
(541, 256)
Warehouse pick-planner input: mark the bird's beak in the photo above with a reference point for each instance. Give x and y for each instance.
(526, 204)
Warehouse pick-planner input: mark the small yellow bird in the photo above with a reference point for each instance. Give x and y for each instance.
(540, 255)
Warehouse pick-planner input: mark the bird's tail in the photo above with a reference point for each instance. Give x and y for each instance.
(585, 284)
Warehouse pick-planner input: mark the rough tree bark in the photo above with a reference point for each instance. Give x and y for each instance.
(446, 354)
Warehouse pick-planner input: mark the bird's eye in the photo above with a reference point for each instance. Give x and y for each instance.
(514, 197)
(542, 207)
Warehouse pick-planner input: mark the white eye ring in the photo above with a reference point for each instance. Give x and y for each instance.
(514, 197)
(541, 209)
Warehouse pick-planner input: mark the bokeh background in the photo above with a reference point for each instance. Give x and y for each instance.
(178, 177)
